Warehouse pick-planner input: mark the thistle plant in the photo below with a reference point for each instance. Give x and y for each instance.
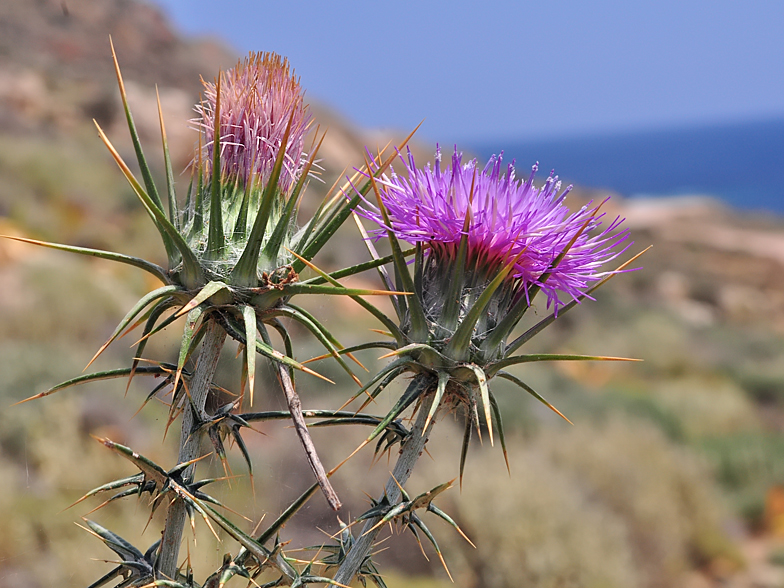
(484, 245)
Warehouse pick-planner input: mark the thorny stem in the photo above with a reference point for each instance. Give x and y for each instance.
(190, 444)
(295, 408)
(409, 454)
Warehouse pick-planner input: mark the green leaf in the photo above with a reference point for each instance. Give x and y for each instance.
(151, 470)
(286, 515)
(441, 514)
(500, 425)
(443, 380)
(359, 268)
(116, 543)
(268, 298)
(415, 520)
(467, 429)
(148, 370)
(546, 322)
(155, 314)
(140, 158)
(415, 389)
(454, 289)
(241, 224)
(458, 347)
(481, 378)
(354, 348)
(173, 214)
(389, 368)
(249, 317)
(250, 544)
(245, 273)
(138, 307)
(191, 325)
(192, 272)
(308, 248)
(285, 222)
(419, 330)
(237, 333)
(208, 291)
(532, 392)
(320, 332)
(389, 324)
(495, 366)
(147, 266)
(216, 242)
(398, 303)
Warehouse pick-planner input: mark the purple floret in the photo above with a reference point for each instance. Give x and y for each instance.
(258, 98)
(507, 218)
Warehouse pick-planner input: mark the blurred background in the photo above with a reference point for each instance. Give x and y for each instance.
(673, 474)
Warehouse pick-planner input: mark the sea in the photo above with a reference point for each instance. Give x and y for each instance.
(741, 164)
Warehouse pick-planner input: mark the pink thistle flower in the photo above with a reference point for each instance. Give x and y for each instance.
(258, 98)
(508, 218)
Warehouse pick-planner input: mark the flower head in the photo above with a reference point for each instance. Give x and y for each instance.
(257, 99)
(507, 220)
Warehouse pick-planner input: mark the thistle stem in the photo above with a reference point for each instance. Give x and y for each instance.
(190, 443)
(409, 454)
(295, 408)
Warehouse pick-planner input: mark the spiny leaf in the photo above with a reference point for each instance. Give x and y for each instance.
(495, 366)
(395, 366)
(515, 314)
(250, 544)
(398, 304)
(173, 214)
(419, 329)
(355, 348)
(356, 269)
(415, 389)
(147, 266)
(272, 248)
(191, 325)
(193, 273)
(236, 333)
(140, 158)
(500, 425)
(209, 290)
(459, 344)
(418, 522)
(163, 369)
(149, 468)
(440, 513)
(443, 380)
(532, 392)
(455, 287)
(138, 307)
(249, 317)
(393, 328)
(114, 542)
(131, 480)
(216, 243)
(338, 346)
(481, 379)
(467, 429)
(245, 272)
(325, 231)
(546, 322)
(319, 331)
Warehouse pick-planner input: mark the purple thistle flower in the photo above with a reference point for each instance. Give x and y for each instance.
(507, 218)
(258, 97)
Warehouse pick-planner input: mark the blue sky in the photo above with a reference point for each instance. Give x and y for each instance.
(518, 70)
